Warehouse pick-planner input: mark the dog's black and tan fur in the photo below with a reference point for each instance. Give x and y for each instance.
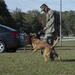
(38, 44)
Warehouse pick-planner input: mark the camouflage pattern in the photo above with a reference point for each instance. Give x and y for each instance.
(49, 23)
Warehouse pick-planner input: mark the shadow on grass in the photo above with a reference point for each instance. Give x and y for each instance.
(68, 60)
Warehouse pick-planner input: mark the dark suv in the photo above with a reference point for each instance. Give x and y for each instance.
(9, 39)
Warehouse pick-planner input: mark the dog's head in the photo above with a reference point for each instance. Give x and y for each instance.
(38, 34)
(34, 35)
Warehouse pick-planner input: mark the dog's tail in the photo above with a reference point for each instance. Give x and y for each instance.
(55, 42)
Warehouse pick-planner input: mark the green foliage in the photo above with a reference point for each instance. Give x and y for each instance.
(34, 21)
(5, 17)
(19, 19)
(68, 18)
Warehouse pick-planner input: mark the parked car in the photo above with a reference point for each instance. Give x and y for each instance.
(23, 40)
(9, 39)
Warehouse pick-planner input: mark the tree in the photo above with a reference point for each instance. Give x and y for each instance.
(68, 22)
(36, 25)
(19, 19)
(32, 19)
(5, 17)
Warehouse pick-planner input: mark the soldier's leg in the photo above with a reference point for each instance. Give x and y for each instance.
(56, 55)
(50, 41)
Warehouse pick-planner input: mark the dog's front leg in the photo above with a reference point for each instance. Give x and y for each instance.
(34, 50)
(45, 56)
(34, 47)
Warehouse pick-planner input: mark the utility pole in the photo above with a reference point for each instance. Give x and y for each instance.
(60, 22)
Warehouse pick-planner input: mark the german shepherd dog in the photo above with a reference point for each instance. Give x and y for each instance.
(42, 45)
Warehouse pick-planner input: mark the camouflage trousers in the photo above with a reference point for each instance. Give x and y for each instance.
(53, 54)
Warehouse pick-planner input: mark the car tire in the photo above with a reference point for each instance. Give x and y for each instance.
(2, 47)
(11, 50)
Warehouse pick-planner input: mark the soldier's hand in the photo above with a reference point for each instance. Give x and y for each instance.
(44, 28)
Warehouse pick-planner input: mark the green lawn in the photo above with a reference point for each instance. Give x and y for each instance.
(67, 43)
(26, 63)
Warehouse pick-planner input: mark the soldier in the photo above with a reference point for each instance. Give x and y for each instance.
(49, 28)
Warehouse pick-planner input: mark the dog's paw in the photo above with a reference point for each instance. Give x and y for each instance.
(33, 52)
(59, 58)
(45, 61)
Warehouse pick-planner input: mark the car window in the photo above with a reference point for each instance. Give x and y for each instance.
(9, 28)
(22, 36)
(2, 29)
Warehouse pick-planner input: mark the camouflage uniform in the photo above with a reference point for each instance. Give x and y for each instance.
(50, 26)
(50, 30)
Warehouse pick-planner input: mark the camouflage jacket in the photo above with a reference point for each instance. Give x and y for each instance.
(49, 23)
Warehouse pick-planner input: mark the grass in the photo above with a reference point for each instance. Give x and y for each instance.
(68, 43)
(26, 63)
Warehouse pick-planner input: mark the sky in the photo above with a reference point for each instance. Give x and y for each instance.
(26, 5)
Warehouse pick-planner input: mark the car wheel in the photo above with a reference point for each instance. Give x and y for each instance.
(2, 47)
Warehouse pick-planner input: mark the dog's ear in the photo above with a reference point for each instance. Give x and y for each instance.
(33, 35)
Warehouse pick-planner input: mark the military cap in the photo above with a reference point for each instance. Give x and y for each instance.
(43, 6)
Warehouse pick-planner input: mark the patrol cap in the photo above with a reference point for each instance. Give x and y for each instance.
(43, 6)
